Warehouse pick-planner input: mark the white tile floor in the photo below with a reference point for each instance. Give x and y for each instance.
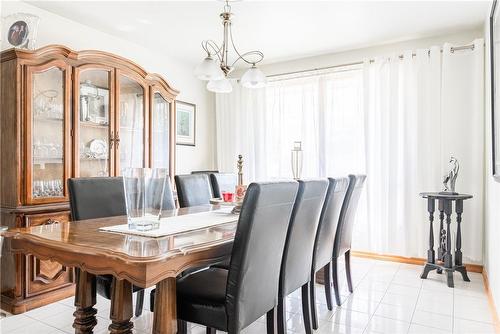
(388, 298)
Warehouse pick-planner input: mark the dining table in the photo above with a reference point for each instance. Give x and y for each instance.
(137, 260)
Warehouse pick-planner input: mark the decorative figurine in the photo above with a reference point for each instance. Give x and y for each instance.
(240, 187)
(451, 177)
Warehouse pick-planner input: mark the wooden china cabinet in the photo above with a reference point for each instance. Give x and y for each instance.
(70, 114)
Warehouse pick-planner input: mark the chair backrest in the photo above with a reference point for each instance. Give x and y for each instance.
(343, 236)
(298, 253)
(253, 278)
(96, 197)
(99, 197)
(222, 182)
(193, 189)
(330, 213)
(204, 171)
(168, 196)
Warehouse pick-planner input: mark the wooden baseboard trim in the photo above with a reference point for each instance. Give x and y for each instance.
(491, 302)
(475, 268)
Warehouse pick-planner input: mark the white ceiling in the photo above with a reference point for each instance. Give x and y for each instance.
(282, 30)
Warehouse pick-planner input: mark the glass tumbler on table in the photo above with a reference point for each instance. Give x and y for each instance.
(144, 189)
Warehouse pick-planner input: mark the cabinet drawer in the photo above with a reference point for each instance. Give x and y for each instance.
(44, 275)
(47, 218)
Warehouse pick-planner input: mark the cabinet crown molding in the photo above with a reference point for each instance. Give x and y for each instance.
(91, 56)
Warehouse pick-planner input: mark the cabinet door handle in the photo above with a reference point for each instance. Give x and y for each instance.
(111, 139)
(51, 221)
(117, 139)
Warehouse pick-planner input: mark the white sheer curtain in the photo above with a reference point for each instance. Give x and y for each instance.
(263, 124)
(419, 111)
(397, 120)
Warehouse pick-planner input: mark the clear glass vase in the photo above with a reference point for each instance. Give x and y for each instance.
(144, 189)
(297, 160)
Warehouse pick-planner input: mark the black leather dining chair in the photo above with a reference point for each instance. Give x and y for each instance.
(343, 235)
(297, 256)
(232, 299)
(193, 189)
(204, 171)
(99, 197)
(325, 239)
(222, 182)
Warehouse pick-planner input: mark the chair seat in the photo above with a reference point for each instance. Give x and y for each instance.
(104, 283)
(201, 298)
(223, 264)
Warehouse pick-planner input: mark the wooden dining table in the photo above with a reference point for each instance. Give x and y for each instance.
(131, 259)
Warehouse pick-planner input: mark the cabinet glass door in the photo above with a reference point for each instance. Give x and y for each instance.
(47, 134)
(93, 123)
(160, 123)
(130, 140)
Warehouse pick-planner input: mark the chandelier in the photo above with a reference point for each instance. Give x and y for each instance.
(216, 67)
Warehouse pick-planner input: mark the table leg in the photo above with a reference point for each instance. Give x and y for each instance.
(442, 233)
(431, 256)
(121, 307)
(448, 258)
(85, 299)
(165, 314)
(459, 208)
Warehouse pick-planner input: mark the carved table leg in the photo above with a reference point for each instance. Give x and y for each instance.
(165, 315)
(448, 258)
(121, 307)
(85, 299)
(442, 233)
(431, 256)
(459, 208)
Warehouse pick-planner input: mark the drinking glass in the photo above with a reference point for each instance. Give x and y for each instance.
(144, 196)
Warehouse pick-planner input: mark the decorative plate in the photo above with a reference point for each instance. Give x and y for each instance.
(98, 148)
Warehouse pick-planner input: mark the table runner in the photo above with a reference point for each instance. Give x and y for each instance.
(179, 224)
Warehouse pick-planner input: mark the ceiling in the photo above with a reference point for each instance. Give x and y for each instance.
(282, 30)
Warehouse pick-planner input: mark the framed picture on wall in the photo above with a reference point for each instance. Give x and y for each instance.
(495, 88)
(186, 123)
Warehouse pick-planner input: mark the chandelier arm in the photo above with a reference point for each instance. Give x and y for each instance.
(242, 56)
(211, 48)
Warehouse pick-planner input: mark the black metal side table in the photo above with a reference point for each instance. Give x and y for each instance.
(445, 258)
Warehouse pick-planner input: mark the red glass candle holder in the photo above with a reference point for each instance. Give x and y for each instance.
(227, 196)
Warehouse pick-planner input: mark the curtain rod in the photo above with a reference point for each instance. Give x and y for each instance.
(453, 49)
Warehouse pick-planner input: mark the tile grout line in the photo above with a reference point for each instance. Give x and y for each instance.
(380, 301)
(416, 303)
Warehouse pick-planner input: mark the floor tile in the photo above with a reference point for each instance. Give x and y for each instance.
(435, 302)
(462, 326)
(419, 329)
(38, 328)
(386, 325)
(403, 290)
(402, 313)
(361, 305)
(472, 308)
(399, 300)
(12, 323)
(334, 328)
(440, 321)
(388, 298)
(352, 319)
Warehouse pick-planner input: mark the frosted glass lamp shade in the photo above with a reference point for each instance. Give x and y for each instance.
(220, 86)
(253, 78)
(208, 69)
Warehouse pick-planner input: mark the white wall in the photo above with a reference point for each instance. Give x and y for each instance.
(54, 29)
(492, 190)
